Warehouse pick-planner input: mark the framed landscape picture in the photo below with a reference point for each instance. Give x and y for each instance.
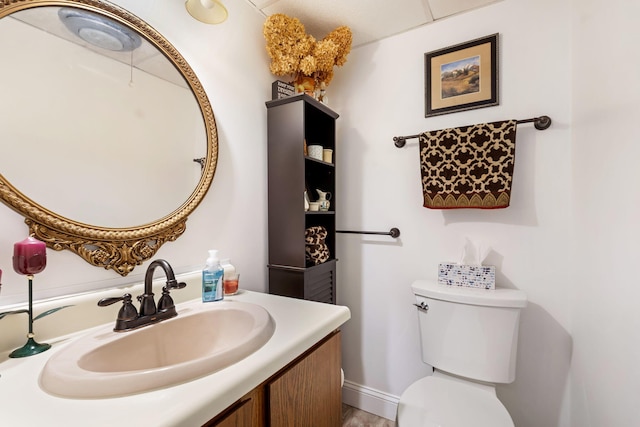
(462, 77)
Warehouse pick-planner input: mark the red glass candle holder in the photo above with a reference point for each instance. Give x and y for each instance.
(29, 256)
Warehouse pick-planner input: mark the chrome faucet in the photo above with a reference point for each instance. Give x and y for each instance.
(130, 318)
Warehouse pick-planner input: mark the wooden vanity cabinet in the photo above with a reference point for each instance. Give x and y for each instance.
(291, 122)
(307, 392)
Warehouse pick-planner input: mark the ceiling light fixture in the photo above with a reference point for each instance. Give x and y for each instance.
(207, 11)
(99, 30)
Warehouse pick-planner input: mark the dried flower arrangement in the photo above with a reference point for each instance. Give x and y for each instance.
(295, 53)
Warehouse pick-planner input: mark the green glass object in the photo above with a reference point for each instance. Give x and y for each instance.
(30, 348)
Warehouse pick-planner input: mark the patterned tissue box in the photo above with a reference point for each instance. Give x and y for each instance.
(472, 276)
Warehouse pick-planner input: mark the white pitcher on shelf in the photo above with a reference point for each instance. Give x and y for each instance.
(324, 197)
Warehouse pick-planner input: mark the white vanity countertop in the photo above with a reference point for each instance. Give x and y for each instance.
(299, 325)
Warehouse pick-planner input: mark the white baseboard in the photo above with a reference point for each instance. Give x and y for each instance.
(370, 400)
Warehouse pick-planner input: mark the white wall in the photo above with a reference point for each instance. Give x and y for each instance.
(380, 94)
(606, 175)
(231, 63)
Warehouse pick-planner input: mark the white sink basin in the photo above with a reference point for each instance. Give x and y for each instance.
(204, 338)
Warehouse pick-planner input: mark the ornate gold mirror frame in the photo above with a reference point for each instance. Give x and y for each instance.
(119, 249)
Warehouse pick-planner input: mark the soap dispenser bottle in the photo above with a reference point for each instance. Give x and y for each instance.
(212, 287)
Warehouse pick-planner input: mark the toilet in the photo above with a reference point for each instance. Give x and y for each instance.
(470, 337)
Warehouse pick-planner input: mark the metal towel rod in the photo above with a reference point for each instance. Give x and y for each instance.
(540, 123)
(394, 232)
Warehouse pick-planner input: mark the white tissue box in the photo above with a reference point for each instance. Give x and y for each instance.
(472, 276)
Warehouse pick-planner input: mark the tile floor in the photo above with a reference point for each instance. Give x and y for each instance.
(354, 417)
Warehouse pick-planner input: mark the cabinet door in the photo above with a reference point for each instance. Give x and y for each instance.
(309, 392)
(247, 412)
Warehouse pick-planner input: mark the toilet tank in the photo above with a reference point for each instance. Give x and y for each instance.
(470, 332)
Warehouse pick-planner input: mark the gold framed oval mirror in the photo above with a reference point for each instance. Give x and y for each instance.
(157, 144)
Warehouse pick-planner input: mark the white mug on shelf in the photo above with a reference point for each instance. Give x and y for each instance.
(315, 151)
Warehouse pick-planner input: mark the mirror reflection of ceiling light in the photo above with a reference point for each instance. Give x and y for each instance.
(207, 11)
(99, 30)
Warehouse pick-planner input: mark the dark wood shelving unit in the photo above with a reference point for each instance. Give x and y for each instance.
(292, 121)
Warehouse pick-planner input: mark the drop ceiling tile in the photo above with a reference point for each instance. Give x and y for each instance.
(443, 8)
(262, 3)
(369, 20)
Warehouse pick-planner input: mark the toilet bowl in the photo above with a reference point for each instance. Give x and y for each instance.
(440, 400)
(469, 336)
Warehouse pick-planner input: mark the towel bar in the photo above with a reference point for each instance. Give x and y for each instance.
(394, 232)
(540, 123)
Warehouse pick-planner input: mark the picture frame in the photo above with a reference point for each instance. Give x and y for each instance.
(462, 77)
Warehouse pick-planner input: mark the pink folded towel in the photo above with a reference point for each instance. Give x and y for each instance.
(469, 166)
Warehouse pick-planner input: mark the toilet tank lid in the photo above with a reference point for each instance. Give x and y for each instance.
(499, 297)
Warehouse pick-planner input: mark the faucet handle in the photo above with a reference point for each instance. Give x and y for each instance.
(166, 302)
(108, 301)
(128, 310)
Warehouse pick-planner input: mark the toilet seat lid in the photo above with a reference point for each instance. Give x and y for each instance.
(441, 402)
